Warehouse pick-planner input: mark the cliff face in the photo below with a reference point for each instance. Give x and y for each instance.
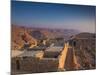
(86, 35)
(35, 36)
(20, 36)
(85, 50)
(16, 40)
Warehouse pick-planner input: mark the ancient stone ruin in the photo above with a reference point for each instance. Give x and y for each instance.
(51, 59)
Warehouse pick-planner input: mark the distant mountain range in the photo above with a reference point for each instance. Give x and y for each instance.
(86, 35)
(39, 33)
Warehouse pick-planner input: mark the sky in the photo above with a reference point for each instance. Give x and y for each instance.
(51, 15)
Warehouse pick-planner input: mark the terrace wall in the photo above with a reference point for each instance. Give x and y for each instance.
(33, 65)
(62, 57)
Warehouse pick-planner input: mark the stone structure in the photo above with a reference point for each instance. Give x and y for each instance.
(50, 60)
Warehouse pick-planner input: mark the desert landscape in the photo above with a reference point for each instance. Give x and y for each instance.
(51, 37)
(32, 48)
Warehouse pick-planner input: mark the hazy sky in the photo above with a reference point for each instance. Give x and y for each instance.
(54, 15)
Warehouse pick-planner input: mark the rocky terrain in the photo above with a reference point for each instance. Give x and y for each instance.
(21, 35)
(85, 50)
(83, 45)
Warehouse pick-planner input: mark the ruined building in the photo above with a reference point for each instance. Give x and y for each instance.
(49, 60)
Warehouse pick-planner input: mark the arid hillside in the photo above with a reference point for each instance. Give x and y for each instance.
(85, 49)
(21, 35)
(78, 50)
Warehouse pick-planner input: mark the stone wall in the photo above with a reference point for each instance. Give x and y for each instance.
(26, 64)
(33, 65)
(62, 57)
(71, 62)
(38, 65)
(47, 65)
